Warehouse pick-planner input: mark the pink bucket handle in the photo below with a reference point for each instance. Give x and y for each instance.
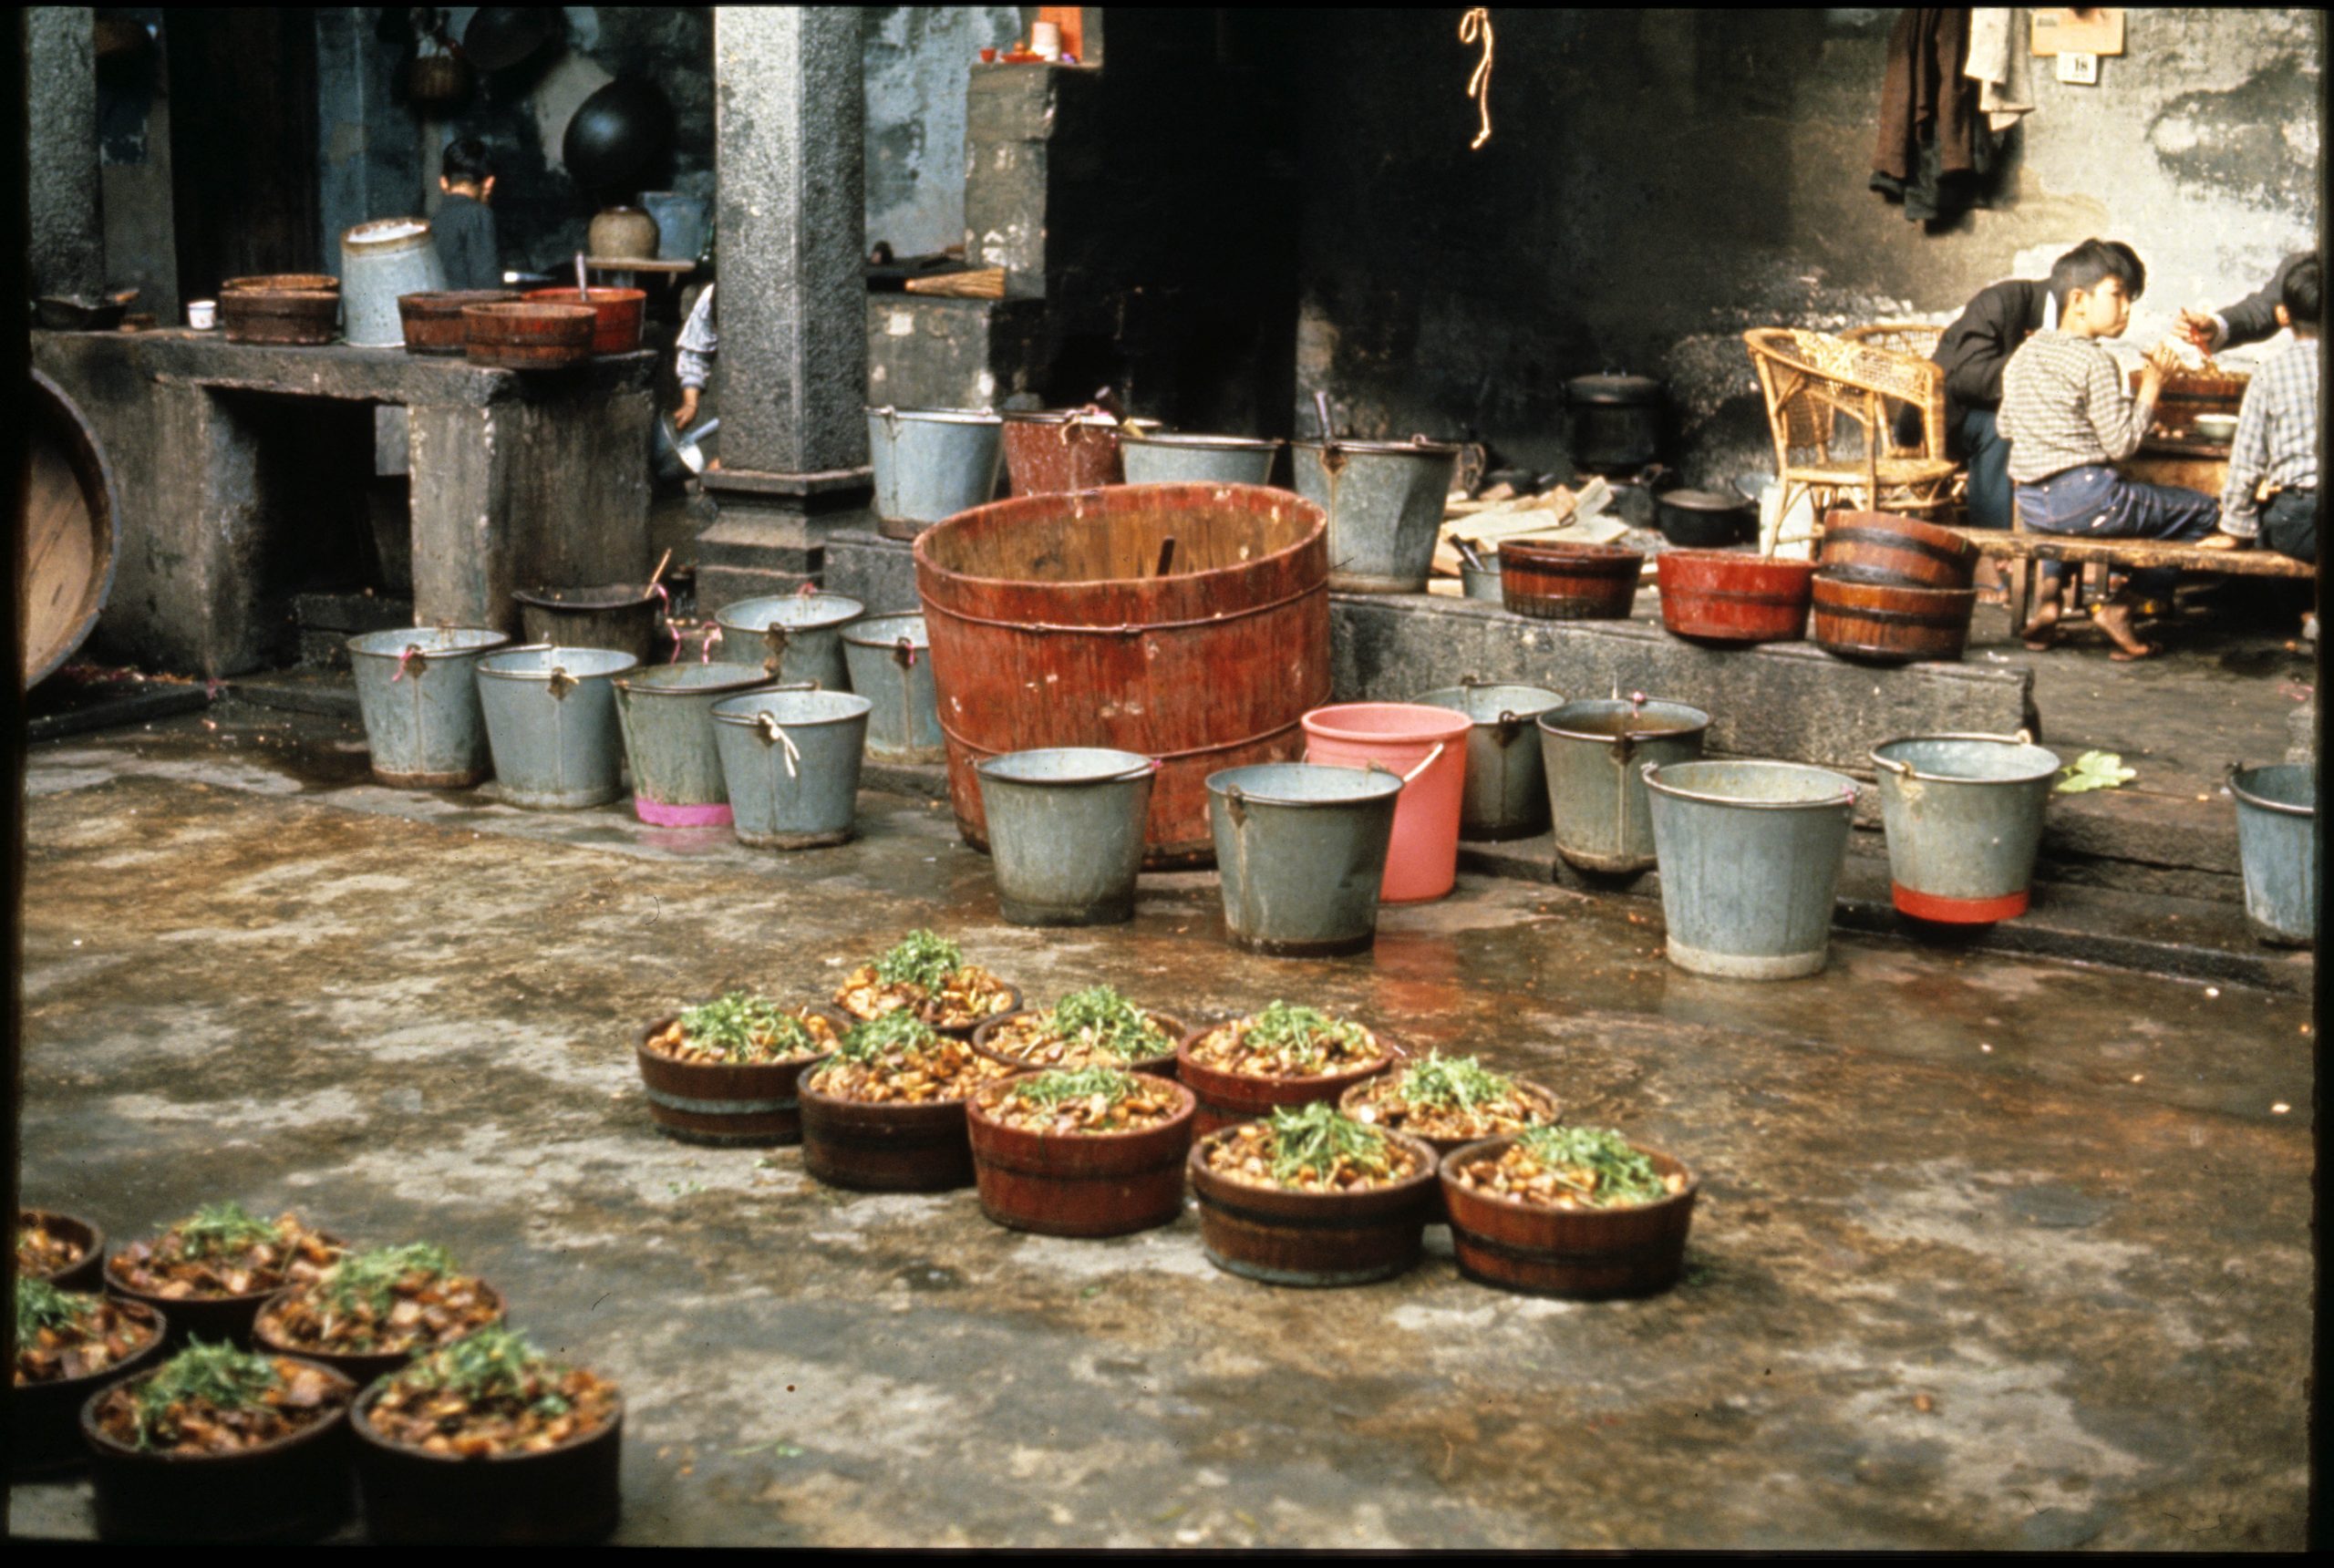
(405, 661)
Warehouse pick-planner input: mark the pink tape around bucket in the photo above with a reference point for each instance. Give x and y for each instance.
(664, 815)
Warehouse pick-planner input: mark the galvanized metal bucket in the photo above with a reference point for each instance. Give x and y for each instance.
(1301, 850)
(1157, 457)
(1065, 832)
(1507, 783)
(932, 463)
(1592, 750)
(797, 636)
(550, 720)
(667, 712)
(380, 260)
(621, 616)
(2276, 839)
(1385, 502)
(1750, 856)
(1964, 817)
(889, 660)
(418, 690)
(790, 760)
(1482, 581)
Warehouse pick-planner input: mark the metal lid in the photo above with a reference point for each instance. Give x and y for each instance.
(1701, 501)
(1614, 389)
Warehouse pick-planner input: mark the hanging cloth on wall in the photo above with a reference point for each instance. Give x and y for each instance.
(1932, 154)
(1999, 63)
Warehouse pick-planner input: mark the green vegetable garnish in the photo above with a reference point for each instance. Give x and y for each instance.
(1100, 1016)
(1617, 1174)
(40, 1304)
(1454, 1083)
(899, 1033)
(743, 1025)
(491, 1363)
(1308, 1141)
(370, 1279)
(1060, 1085)
(218, 1229)
(218, 1375)
(1302, 1033)
(921, 959)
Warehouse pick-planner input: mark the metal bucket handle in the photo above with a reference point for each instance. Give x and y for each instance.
(1905, 770)
(413, 653)
(891, 418)
(1646, 771)
(904, 652)
(777, 636)
(562, 683)
(1504, 728)
(1235, 805)
(772, 733)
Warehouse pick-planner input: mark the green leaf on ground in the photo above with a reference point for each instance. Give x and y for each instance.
(2095, 770)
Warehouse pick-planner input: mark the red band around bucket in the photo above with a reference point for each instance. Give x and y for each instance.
(663, 816)
(1959, 911)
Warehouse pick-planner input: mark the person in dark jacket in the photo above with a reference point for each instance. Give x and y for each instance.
(465, 229)
(2253, 319)
(1990, 329)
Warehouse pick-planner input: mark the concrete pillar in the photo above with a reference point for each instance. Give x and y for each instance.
(791, 377)
(65, 247)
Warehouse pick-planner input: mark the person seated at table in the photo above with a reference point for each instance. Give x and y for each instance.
(2276, 450)
(2253, 319)
(1998, 319)
(2069, 422)
(465, 229)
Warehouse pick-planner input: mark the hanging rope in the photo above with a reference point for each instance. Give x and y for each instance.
(1477, 23)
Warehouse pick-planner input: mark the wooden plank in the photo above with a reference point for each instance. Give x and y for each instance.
(1995, 545)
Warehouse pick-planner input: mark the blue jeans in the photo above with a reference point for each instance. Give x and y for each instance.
(1978, 441)
(2289, 524)
(2094, 501)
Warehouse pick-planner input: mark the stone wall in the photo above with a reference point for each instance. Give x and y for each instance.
(917, 60)
(1659, 180)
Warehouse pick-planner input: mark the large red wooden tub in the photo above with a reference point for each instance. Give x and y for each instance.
(1053, 625)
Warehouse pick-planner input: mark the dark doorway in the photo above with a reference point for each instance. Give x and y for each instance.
(243, 143)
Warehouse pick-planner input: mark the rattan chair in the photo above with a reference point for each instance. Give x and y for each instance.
(1917, 338)
(1819, 388)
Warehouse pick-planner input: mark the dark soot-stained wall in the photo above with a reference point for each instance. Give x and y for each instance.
(1657, 181)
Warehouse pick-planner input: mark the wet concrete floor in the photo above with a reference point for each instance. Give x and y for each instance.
(1991, 1252)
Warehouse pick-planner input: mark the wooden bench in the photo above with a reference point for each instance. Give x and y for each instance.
(2022, 552)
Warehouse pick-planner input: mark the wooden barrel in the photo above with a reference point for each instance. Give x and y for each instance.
(1890, 623)
(433, 319)
(618, 314)
(292, 318)
(277, 283)
(70, 527)
(1727, 596)
(528, 336)
(1569, 581)
(1882, 547)
(1052, 624)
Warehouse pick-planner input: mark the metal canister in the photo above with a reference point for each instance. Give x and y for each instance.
(379, 262)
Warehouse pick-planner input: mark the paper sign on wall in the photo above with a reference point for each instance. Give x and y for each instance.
(2078, 30)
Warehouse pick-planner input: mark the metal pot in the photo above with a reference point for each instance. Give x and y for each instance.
(1616, 420)
(1703, 520)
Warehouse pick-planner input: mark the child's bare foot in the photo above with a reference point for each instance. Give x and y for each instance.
(2041, 630)
(2115, 620)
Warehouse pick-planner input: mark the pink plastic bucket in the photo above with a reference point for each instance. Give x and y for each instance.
(1428, 747)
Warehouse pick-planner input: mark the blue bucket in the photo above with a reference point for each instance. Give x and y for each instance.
(1300, 848)
(551, 721)
(417, 689)
(789, 760)
(2276, 838)
(796, 636)
(666, 711)
(1065, 832)
(1751, 855)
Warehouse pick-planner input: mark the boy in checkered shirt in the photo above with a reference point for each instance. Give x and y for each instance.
(2068, 422)
(2274, 459)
